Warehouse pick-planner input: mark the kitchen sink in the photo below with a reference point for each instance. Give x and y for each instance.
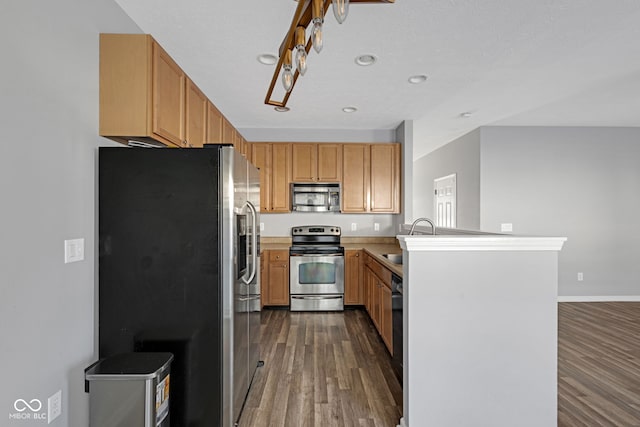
(394, 258)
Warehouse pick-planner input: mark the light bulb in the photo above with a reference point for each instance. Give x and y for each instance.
(301, 59)
(316, 34)
(340, 9)
(287, 77)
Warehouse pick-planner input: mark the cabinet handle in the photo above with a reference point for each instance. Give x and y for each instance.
(357, 255)
(277, 256)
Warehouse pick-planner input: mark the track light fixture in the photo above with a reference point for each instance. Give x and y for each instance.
(308, 12)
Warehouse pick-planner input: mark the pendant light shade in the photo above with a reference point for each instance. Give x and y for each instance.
(340, 9)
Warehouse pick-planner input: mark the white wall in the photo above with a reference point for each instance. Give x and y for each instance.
(49, 125)
(582, 183)
(462, 157)
(280, 224)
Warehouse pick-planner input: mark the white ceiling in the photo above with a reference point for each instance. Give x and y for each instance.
(508, 62)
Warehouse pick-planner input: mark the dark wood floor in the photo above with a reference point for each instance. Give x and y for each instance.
(322, 369)
(331, 369)
(599, 364)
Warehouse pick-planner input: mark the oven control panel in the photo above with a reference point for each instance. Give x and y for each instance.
(316, 230)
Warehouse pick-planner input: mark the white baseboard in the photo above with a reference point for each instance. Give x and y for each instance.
(601, 298)
(402, 424)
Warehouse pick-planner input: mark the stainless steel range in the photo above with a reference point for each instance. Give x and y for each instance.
(316, 280)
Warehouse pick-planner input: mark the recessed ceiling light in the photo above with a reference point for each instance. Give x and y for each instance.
(366, 59)
(466, 114)
(417, 79)
(281, 109)
(349, 109)
(267, 59)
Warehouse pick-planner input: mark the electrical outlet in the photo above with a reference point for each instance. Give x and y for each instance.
(262, 226)
(354, 226)
(73, 250)
(376, 226)
(506, 227)
(54, 406)
(580, 276)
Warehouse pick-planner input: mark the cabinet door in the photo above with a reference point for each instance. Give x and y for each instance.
(367, 289)
(280, 177)
(168, 92)
(214, 124)
(386, 320)
(329, 162)
(353, 285)
(385, 178)
(261, 158)
(375, 301)
(228, 132)
(246, 149)
(278, 278)
(196, 132)
(355, 182)
(304, 162)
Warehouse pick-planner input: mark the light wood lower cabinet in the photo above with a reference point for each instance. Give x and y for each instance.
(353, 277)
(275, 286)
(378, 300)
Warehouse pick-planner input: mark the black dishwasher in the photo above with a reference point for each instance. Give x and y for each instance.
(396, 297)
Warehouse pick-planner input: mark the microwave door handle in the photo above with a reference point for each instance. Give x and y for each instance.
(254, 243)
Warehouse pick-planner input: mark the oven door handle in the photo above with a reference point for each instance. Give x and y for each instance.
(316, 297)
(254, 243)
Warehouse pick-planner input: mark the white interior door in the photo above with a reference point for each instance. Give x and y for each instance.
(444, 201)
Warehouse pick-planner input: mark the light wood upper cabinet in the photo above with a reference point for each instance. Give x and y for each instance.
(371, 178)
(280, 177)
(304, 162)
(261, 158)
(214, 124)
(353, 266)
(169, 110)
(316, 162)
(355, 178)
(145, 95)
(385, 178)
(329, 162)
(228, 132)
(196, 134)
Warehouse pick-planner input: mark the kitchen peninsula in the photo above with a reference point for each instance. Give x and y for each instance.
(480, 316)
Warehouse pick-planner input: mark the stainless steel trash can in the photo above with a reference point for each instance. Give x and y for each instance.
(129, 389)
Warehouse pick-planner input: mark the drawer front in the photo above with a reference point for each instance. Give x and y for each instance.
(278, 255)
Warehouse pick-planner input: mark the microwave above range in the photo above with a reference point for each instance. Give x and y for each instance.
(315, 197)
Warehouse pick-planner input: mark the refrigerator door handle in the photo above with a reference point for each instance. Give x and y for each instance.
(254, 244)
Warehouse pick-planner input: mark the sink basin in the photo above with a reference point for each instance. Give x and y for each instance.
(394, 258)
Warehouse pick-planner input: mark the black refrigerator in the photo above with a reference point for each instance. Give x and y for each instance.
(179, 271)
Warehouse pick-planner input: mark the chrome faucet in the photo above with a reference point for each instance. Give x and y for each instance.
(413, 226)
